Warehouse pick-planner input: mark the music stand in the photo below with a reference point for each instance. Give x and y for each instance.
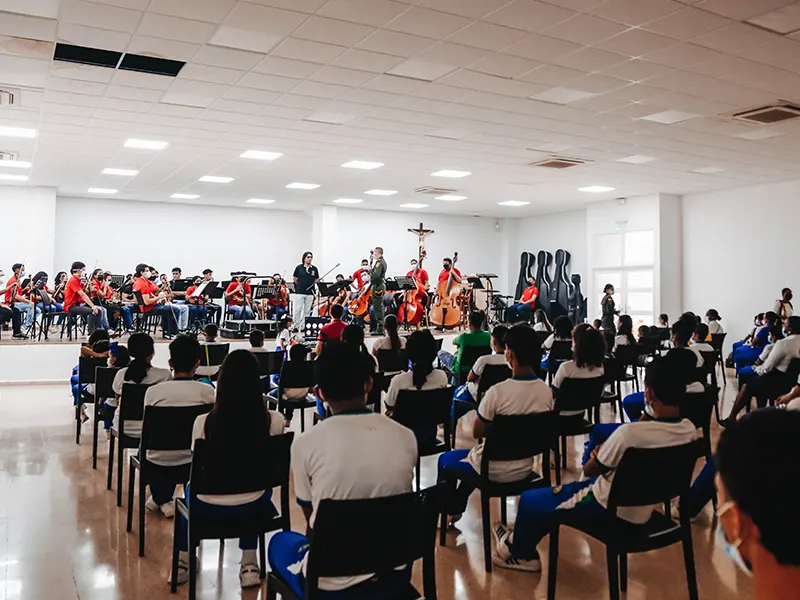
(332, 289)
(180, 285)
(117, 281)
(476, 282)
(401, 282)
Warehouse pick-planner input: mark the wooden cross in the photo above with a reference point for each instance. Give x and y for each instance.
(421, 233)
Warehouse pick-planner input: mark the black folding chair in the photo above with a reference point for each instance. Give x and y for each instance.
(146, 321)
(47, 316)
(269, 363)
(613, 373)
(213, 355)
(697, 408)
(491, 375)
(717, 342)
(424, 410)
(390, 361)
(408, 534)
(628, 357)
(164, 428)
(644, 477)
(573, 395)
(103, 390)
(131, 408)
(294, 374)
(86, 375)
(560, 352)
(268, 471)
(543, 335)
(469, 354)
(508, 437)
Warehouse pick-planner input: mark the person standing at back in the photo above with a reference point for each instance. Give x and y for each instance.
(306, 276)
(378, 281)
(783, 307)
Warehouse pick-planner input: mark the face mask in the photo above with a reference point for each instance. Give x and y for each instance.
(789, 298)
(22, 274)
(732, 550)
(446, 267)
(611, 292)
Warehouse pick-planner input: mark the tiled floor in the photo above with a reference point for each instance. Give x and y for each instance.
(62, 537)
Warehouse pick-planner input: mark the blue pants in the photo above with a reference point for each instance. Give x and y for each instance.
(456, 495)
(75, 388)
(323, 412)
(162, 493)
(287, 549)
(275, 312)
(108, 422)
(238, 311)
(242, 512)
(746, 375)
(448, 361)
(633, 405)
(127, 316)
(169, 321)
(746, 355)
(462, 404)
(518, 312)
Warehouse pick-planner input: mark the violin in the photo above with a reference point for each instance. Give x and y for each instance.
(360, 306)
(282, 296)
(445, 312)
(412, 309)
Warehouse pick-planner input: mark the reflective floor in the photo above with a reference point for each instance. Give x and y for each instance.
(62, 537)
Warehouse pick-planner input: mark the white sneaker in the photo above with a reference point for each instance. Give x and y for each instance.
(84, 415)
(249, 575)
(108, 434)
(151, 505)
(183, 573)
(503, 557)
(168, 509)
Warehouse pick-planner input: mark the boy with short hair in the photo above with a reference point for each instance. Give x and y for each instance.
(331, 332)
(257, 341)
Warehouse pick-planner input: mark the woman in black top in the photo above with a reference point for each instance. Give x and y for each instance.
(609, 310)
(306, 275)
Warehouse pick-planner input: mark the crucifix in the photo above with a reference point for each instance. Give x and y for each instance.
(421, 233)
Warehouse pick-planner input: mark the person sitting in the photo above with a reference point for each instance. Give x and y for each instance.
(357, 454)
(210, 333)
(238, 298)
(181, 390)
(421, 351)
(714, 325)
(699, 343)
(775, 334)
(747, 353)
(759, 534)
(354, 336)
(469, 391)
(257, 341)
(392, 341)
(477, 336)
(96, 347)
(562, 332)
(771, 378)
(790, 400)
(523, 394)
(642, 334)
(517, 549)
(663, 321)
(235, 433)
(522, 310)
(332, 331)
(542, 323)
(589, 352)
(297, 353)
(78, 303)
(624, 335)
(597, 324)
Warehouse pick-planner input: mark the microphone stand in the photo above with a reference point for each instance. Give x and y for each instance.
(316, 297)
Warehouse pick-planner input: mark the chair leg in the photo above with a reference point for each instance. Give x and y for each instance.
(418, 475)
(552, 563)
(262, 555)
(142, 492)
(563, 452)
(504, 510)
(120, 466)
(556, 462)
(192, 569)
(95, 436)
(78, 417)
(688, 559)
(613, 573)
(110, 461)
(623, 572)
(175, 552)
(487, 536)
(131, 483)
(443, 528)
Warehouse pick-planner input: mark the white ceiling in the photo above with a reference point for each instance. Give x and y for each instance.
(486, 86)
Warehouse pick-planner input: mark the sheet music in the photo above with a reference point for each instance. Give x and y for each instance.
(199, 291)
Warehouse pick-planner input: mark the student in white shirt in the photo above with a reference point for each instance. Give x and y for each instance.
(517, 549)
(663, 321)
(713, 319)
(589, 352)
(624, 335)
(235, 433)
(783, 307)
(469, 391)
(562, 332)
(210, 334)
(354, 454)
(523, 394)
(140, 370)
(285, 336)
(392, 341)
(297, 353)
(699, 343)
(771, 378)
(257, 341)
(182, 390)
(540, 321)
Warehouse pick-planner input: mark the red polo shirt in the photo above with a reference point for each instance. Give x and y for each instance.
(529, 293)
(332, 331)
(234, 300)
(445, 274)
(71, 296)
(11, 294)
(421, 276)
(146, 288)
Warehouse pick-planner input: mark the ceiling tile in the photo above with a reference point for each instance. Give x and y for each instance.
(590, 59)
(26, 47)
(585, 29)
(332, 31)
(306, 6)
(635, 12)
(273, 65)
(688, 23)
(390, 83)
(487, 36)
(174, 28)
(24, 26)
(741, 10)
(237, 106)
(552, 75)
(92, 37)
(133, 4)
(427, 23)
(368, 12)
(474, 9)
(733, 37)
(597, 84)
(371, 97)
(541, 48)
(57, 84)
(780, 51)
(560, 95)
(342, 76)
(308, 51)
(125, 92)
(210, 74)
(437, 91)
(636, 70)
(127, 105)
(142, 80)
(91, 14)
(783, 20)
(422, 70)
(363, 60)
(680, 55)
(529, 15)
(23, 71)
(451, 54)
(321, 90)
(271, 83)
(256, 28)
(636, 42)
(161, 48)
(504, 65)
(260, 97)
(212, 11)
(227, 58)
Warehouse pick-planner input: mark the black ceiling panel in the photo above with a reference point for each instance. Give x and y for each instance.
(149, 64)
(84, 55)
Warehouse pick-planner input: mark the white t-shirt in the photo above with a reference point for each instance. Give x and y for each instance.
(642, 434)
(540, 327)
(154, 375)
(177, 392)
(697, 348)
(478, 367)
(715, 328)
(548, 343)
(352, 456)
(569, 370)
(437, 379)
(511, 397)
(258, 349)
(621, 340)
(199, 433)
(385, 343)
(782, 309)
(766, 352)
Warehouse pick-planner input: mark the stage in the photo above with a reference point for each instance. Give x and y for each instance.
(26, 362)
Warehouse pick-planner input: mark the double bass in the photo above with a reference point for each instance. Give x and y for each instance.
(359, 307)
(445, 312)
(412, 309)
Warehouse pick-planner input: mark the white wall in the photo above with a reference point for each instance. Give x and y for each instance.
(28, 221)
(739, 250)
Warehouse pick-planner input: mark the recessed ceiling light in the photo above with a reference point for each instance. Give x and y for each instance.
(123, 172)
(413, 205)
(381, 192)
(669, 117)
(259, 155)
(215, 179)
(708, 170)
(7, 177)
(185, 196)
(596, 189)
(146, 144)
(451, 174)
(16, 164)
(260, 201)
(362, 164)
(636, 159)
(102, 191)
(513, 203)
(303, 186)
(22, 132)
(348, 201)
(759, 134)
(450, 198)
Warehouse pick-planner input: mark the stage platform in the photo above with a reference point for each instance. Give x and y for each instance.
(25, 362)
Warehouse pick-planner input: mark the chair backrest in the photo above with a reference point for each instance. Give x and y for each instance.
(170, 427)
(87, 366)
(580, 394)
(298, 374)
(648, 476)
(46, 301)
(717, 340)
(491, 375)
(268, 471)
(650, 345)
(698, 408)
(103, 381)
(139, 299)
(417, 409)
(131, 404)
(408, 533)
(664, 333)
(269, 363)
(390, 361)
(378, 387)
(543, 335)
(517, 437)
(560, 352)
(709, 364)
(469, 354)
(628, 355)
(212, 355)
(439, 342)
(793, 371)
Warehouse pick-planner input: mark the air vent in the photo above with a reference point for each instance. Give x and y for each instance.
(430, 190)
(766, 115)
(84, 55)
(560, 162)
(8, 98)
(7, 156)
(151, 64)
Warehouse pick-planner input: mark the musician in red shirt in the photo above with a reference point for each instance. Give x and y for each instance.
(332, 332)
(153, 300)
(447, 266)
(523, 310)
(361, 276)
(239, 295)
(8, 312)
(78, 303)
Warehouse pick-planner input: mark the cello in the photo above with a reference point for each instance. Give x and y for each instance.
(359, 307)
(445, 312)
(412, 309)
